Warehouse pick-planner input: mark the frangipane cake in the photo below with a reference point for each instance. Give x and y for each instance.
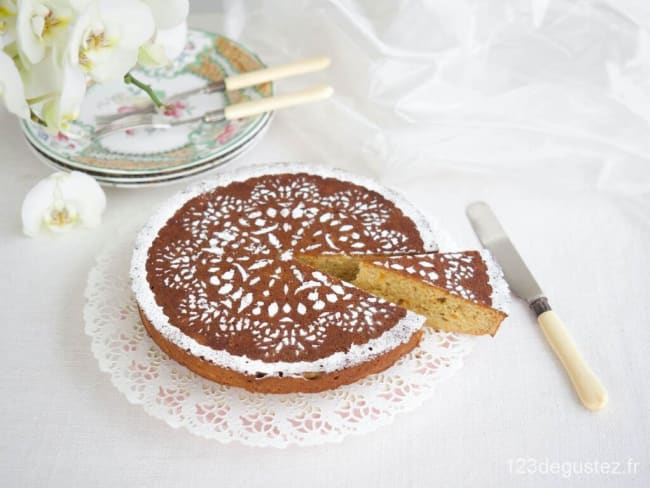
(282, 279)
(220, 291)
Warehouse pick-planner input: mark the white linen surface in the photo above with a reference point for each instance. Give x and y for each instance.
(541, 108)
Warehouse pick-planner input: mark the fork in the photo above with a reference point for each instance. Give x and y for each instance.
(231, 112)
(234, 82)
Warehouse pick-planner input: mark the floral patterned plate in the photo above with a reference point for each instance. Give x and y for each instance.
(137, 181)
(207, 57)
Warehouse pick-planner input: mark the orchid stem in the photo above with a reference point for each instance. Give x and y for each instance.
(130, 79)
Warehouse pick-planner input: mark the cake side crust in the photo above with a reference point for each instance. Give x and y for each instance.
(310, 383)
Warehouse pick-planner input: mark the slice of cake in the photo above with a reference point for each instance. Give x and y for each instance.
(452, 290)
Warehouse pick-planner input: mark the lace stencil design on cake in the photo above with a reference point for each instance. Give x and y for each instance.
(456, 272)
(229, 265)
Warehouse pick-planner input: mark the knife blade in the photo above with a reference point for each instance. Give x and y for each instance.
(589, 388)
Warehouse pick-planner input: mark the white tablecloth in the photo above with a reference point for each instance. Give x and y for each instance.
(575, 203)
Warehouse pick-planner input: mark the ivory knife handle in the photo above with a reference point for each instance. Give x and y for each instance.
(591, 391)
(246, 109)
(252, 78)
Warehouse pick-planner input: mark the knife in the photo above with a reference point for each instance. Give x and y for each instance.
(591, 391)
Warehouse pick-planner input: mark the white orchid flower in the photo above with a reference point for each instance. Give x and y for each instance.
(57, 45)
(102, 44)
(105, 40)
(61, 202)
(11, 87)
(41, 24)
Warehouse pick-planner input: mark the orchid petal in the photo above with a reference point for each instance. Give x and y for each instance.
(28, 43)
(152, 55)
(62, 201)
(36, 203)
(113, 64)
(129, 22)
(7, 22)
(11, 87)
(86, 195)
(58, 112)
(42, 79)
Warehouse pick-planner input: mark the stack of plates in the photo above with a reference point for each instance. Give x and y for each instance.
(149, 156)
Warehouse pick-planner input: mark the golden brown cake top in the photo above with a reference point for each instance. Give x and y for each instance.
(214, 270)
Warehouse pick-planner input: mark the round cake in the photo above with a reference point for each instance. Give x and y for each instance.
(220, 291)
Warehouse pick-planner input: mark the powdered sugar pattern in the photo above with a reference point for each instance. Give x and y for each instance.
(500, 290)
(454, 271)
(239, 245)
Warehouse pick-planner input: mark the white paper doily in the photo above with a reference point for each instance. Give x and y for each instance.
(170, 392)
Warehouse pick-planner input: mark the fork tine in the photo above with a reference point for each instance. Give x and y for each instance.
(133, 121)
(109, 118)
